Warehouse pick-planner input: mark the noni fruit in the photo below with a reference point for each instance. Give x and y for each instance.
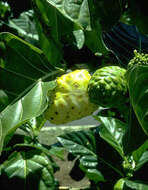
(70, 100)
(107, 86)
(139, 58)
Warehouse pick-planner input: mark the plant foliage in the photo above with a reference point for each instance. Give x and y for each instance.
(46, 38)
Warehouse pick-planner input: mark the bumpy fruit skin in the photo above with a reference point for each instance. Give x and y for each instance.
(139, 58)
(107, 86)
(70, 99)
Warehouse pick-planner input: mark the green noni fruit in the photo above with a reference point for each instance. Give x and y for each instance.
(70, 99)
(139, 58)
(107, 86)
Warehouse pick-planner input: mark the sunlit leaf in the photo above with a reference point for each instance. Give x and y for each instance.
(83, 144)
(29, 169)
(76, 11)
(21, 65)
(138, 185)
(112, 130)
(25, 26)
(31, 105)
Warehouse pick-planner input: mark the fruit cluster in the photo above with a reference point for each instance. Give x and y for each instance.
(78, 94)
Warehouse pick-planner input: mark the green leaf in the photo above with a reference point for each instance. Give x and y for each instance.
(57, 151)
(21, 65)
(31, 105)
(76, 11)
(82, 144)
(34, 125)
(89, 165)
(25, 26)
(138, 185)
(137, 79)
(95, 35)
(112, 130)
(4, 100)
(51, 150)
(119, 185)
(143, 159)
(69, 20)
(80, 38)
(48, 24)
(1, 132)
(28, 169)
(75, 142)
(134, 136)
(139, 152)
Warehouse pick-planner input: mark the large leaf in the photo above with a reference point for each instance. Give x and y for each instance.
(31, 105)
(54, 31)
(112, 130)
(95, 35)
(25, 26)
(137, 78)
(137, 185)
(49, 25)
(82, 143)
(71, 18)
(76, 11)
(28, 169)
(134, 136)
(21, 65)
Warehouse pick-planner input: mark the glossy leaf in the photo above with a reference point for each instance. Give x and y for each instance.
(34, 125)
(51, 150)
(76, 11)
(82, 144)
(137, 185)
(80, 38)
(138, 89)
(119, 185)
(31, 105)
(99, 47)
(143, 159)
(137, 154)
(48, 24)
(112, 130)
(72, 16)
(88, 164)
(25, 26)
(29, 169)
(21, 65)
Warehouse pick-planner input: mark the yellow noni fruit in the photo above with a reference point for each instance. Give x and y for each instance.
(70, 99)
